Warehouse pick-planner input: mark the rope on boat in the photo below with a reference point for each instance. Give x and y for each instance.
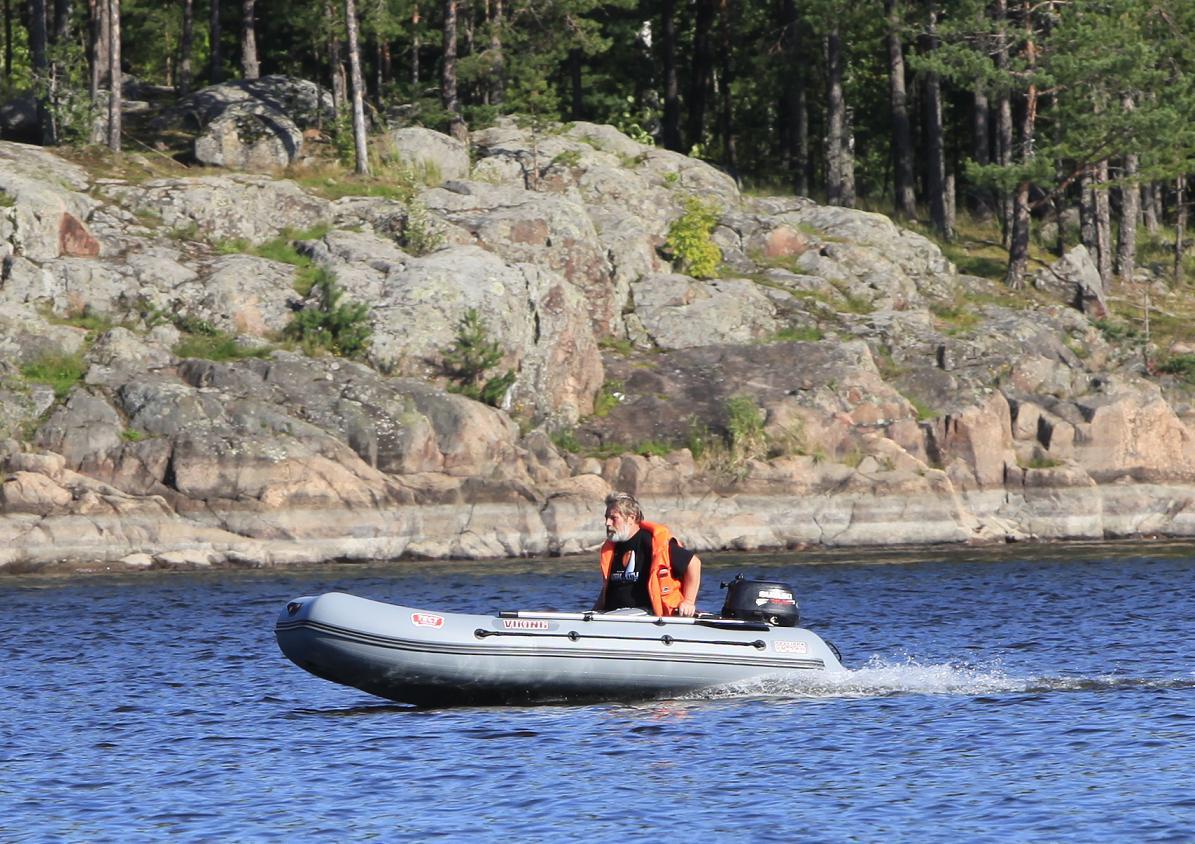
(574, 636)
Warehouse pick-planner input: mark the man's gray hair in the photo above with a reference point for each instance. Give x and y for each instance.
(624, 504)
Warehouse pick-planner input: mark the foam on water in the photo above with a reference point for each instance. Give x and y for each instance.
(881, 676)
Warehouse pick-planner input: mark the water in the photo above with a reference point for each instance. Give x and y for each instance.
(1020, 694)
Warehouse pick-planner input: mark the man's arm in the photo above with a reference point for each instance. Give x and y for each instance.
(690, 583)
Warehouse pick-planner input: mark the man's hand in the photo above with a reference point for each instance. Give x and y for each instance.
(687, 608)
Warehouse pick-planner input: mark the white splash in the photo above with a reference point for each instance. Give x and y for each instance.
(880, 677)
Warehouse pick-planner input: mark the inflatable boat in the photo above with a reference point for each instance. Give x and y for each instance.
(431, 658)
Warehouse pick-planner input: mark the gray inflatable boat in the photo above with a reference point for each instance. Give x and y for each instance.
(435, 658)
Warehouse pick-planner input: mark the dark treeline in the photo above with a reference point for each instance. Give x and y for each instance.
(1012, 110)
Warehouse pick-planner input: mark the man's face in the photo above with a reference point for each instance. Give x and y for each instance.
(620, 528)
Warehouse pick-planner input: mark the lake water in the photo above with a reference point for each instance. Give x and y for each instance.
(1013, 694)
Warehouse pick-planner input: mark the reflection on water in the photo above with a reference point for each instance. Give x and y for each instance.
(1017, 694)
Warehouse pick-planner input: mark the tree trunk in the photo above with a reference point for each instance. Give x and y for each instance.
(416, 43)
(358, 84)
(794, 107)
(448, 92)
(498, 60)
(1103, 225)
(1149, 207)
(340, 97)
(250, 69)
(1180, 226)
(902, 139)
(1130, 211)
(1003, 115)
(8, 41)
(840, 164)
(936, 181)
(576, 90)
(186, 49)
(216, 67)
(1087, 213)
(702, 72)
(1018, 247)
(730, 153)
(981, 149)
(39, 57)
(115, 79)
(670, 128)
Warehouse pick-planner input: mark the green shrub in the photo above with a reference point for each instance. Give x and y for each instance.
(608, 398)
(1182, 366)
(689, 239)
(472, 356)
(744, 427)
(333, 326)
(419, 235)
(59, 371)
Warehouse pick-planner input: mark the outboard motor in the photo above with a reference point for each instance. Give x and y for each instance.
(768, 601)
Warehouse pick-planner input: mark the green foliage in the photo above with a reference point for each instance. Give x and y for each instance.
(568, 158)
(471, 357)
(689, 238)
(132, 435)
(332, 325)
(798, 334)
(609, 397)
(1116, 331)
(212, 344)
(744, 427)
(1182, 366)
(59, 371)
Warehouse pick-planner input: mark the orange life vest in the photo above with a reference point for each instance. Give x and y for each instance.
(663, 589)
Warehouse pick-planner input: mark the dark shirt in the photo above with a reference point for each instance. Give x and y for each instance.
(627, 586)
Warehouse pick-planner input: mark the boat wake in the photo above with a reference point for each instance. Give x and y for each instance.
(880, 677)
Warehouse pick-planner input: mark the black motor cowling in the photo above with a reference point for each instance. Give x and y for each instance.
(768, 601)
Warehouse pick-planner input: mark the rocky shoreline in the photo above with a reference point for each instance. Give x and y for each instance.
(837, 383)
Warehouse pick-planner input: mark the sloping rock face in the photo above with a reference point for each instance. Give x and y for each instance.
(839, 383)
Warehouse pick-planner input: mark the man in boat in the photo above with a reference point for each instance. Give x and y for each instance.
(643, 566)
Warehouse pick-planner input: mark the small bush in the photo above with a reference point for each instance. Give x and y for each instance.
(744, 426)
(1182, 366)
(472, 356)
(609, 397)
(689, 239)
(61, 372)
(332, 326)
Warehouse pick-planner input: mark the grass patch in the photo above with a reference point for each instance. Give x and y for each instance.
(798, 334)
(617, 345)
(132, 435)
(956, 316)
(1039, 462)
(58, 371)
(217, 346)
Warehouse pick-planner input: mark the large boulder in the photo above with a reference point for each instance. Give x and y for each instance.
(1075, 279)
(250, 136)
(433, 156)
(303, 102)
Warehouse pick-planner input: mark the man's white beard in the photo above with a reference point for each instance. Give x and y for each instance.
(622, 535)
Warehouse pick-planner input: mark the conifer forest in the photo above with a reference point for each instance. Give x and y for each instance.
(997, 113)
